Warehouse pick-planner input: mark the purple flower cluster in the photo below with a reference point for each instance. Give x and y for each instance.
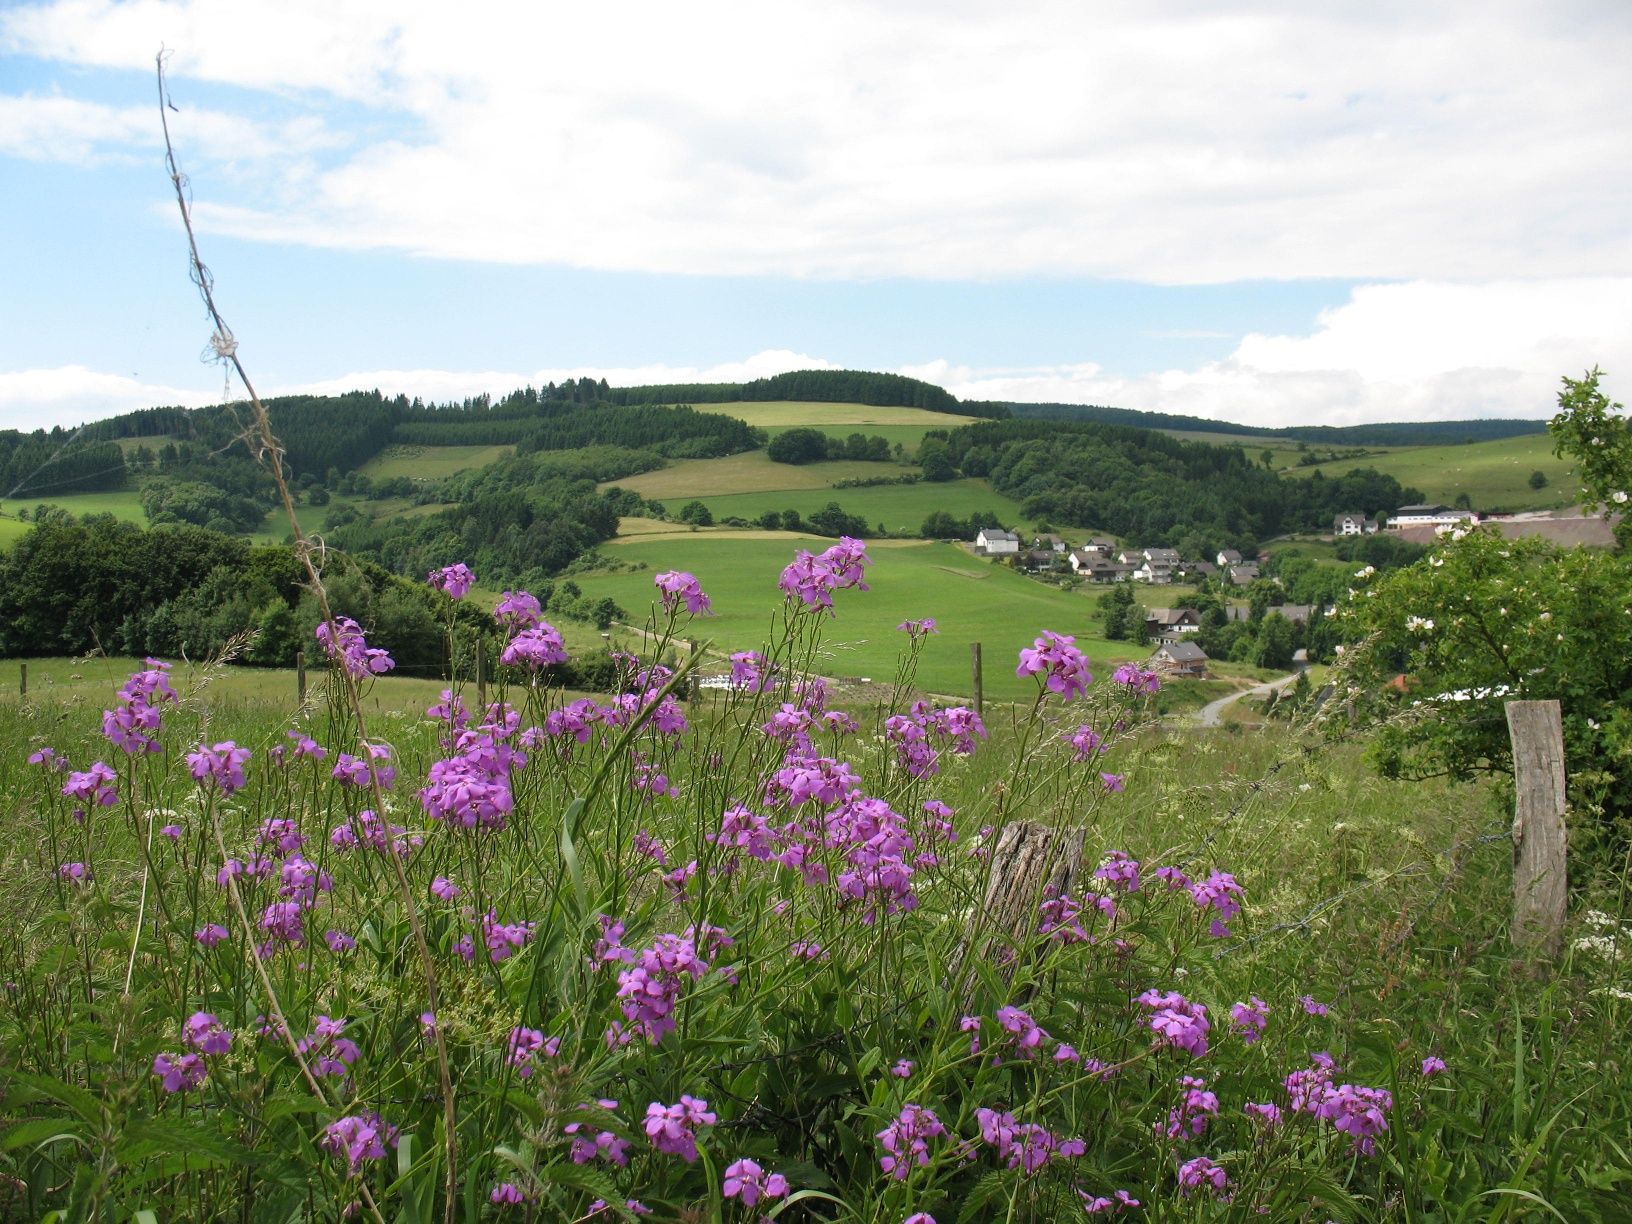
(1176, 1021)
(919, 735)
(1025, 1146)
(1062, 915)
(1189, 1118)
(745, 1180)
(918, 628)
(363, 775)
(1359, 1112)
(1137, 679)
(332, 1053)
(454, 581)
(673, 1128)
(676, 587)
(221, 764)
(471, 789)
(358, 1137)
(346, 645)
(649, 989)
(1058, 664)
(524, 1043)
(92, 787)
(1120, 870)
(1248, 1020)
(518, 610)
(1202, 1173)
(811, 580)
(906, 1140)
(534, 648)
(204, 1035)
(504, 940)
(602, 1144)
(134, 723)
(1101, 1205)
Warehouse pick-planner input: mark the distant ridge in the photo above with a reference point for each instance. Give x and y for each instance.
(1400, 433)
(834, 386)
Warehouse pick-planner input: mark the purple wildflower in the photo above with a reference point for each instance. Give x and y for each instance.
(206, 1034)
(77, 873)
(347, 646)
(677, 587)
(534, 648)
(526, 1042)
(454, 581)
(744, 1179)
(1177, 1022)
(358, 1137)
(672, 1128)
(1432, 1065)
(918, 628)
(906, 1140)
(1060, 666)
(1247, 1020)
(1202, 1172)
(179, 1072)
(210, 934)
(518, 610)
(92, 787)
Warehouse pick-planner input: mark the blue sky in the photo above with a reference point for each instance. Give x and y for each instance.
(1262, 215)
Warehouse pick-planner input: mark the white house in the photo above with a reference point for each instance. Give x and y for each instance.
(1228, 557)
(1353, 524)
(994, 541)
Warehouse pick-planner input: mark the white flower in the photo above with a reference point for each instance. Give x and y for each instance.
(1546, 616)
(1436, 562)
(1458, 533)
(1614, 992)
(1419, 624)
(1366, 573)
(1618, 497)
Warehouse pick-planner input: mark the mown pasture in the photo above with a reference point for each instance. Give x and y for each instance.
(1495, 475)
(972, 600)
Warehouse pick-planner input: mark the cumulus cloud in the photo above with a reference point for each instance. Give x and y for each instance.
(1152, 141)
(72, 395)
(1403, 352)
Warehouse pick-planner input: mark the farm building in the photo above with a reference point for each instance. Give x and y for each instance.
(1431, 516)
(994, 541)
(1170, 624)
(1180, 659)
(1353, 524)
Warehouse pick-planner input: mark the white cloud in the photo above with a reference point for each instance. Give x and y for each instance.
(1408, 352)
(863, 138)
(72, 395)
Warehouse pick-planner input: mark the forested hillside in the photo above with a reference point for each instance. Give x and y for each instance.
(1152, 487)
(822, 386)
(1398, 433)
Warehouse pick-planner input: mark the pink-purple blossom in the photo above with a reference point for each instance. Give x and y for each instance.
(454, 581)
(676, 587)
(906, 1140)
(534, 648)
(346, 645)
(1059, 666)
(673, 1128)
(745, 1180)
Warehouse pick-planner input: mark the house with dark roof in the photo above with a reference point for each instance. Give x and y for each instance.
(1228, 557)
(1179, 659)
(1353, 524)
(1170, 624)
(994, 541)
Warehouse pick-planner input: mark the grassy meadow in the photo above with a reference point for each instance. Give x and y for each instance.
(1494, 475)
(973, 601)
(1363, 917)
(431, 462)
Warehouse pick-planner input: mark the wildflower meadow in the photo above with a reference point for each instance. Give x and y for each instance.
(741, 953)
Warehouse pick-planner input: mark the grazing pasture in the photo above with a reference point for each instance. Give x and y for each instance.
(973, 601)
(431, 462)
(1495, 475)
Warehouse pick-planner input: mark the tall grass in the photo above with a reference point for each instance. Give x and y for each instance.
(817, 969)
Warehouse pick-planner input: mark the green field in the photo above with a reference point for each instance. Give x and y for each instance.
(431, 462)
(901, 508)
(749, 472)
(783, 414)
(973, 601)
(1494, 475)
(125, 504)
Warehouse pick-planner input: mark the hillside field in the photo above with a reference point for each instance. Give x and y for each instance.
(431, 462)
(904, 425)
(1494, 475)
(973, 601)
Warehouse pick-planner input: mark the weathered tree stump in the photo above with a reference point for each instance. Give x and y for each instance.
(1540, 874)
(1029, 862)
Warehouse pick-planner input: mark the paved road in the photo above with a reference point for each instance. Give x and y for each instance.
(1212, 714)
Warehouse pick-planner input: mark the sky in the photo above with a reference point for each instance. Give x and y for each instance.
(1254, 210)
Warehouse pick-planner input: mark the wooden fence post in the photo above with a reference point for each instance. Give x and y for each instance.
(1540, 871)
(23, 684)
(980, 682)
(481, 676)
(300, 677)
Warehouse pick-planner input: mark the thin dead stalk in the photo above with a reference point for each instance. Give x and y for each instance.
(268, 451)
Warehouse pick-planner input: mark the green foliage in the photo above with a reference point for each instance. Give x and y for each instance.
(167, 501)
(1124, 619)
(1538, 479)
(1594, 431)
(798, 446)
(821, 386)
(1486, 620)
(1154, 488)
(696, 513)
